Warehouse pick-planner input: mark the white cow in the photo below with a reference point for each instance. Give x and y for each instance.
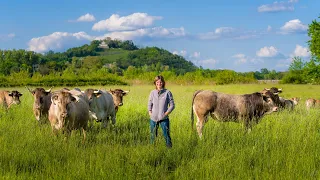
(101, 104)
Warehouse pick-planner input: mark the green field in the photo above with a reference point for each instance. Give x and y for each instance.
(284, 145)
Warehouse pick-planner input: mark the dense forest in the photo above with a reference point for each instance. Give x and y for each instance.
(112, 61)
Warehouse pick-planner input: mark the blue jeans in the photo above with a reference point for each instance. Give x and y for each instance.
(165, 126)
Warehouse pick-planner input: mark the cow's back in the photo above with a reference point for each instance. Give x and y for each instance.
(205, 100)
(108, 100)
(3, 96)
(78, 114)
(230, 107)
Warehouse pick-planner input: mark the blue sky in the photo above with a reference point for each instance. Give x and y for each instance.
(241, 35)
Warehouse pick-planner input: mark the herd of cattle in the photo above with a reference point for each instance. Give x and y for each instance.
(68, 110)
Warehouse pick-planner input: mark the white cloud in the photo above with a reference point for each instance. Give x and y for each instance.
(58, 41)
(154, 33)
(241, 58)
(125, 23)
(181, 53)
(224, 30)
(267, 52)
(195, 55)
(294, 26)
(301, 51)
(11, 35)
(86, 18)
(218, 33)
(269, 28)
(228, 33)
(208, 63)
(175, 52)
(277, 6)
(7, 36)
(184, 53)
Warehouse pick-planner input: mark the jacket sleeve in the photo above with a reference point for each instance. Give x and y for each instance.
(150, 102)
(171, 102)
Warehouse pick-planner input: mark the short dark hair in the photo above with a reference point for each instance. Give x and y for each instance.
(161, 78)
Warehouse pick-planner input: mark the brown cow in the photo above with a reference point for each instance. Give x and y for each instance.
(247, 108)
(8, 98)
(311, 103)
(68, 112)
(117, 96)
(41, 103)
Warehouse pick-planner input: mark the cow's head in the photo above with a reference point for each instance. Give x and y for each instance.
(269, 101)
(15, 97)
(62, 100)
(295, 100)
(117, 96)
(38, 104)
(274, 90)
(92, 93)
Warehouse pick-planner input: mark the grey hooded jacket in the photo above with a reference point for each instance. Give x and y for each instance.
(159, 103)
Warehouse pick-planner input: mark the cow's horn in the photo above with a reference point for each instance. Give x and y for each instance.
(28, 89)
(49, 90)
(96, 91)
(267, 89)
(276, 93)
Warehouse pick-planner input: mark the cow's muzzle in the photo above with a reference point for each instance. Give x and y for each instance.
(64, 114)
(275, 109)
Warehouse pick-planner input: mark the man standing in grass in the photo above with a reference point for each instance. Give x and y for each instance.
(160, 105)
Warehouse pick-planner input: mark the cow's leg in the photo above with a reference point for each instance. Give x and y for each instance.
(113, 118)
(201, 119)
(84, 135)
(54, 130)
(247, 125)
(105, 122)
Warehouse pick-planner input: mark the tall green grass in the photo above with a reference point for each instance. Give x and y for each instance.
(284, 145)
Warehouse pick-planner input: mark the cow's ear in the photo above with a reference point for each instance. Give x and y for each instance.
(10, 94)
(74, 98)
(20, 94)
(125, 92)
(54, 99)
(32, 92)
(112, 92)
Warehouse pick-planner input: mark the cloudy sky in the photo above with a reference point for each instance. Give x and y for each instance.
(242, 35)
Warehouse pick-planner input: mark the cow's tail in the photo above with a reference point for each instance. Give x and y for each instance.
(192, 116)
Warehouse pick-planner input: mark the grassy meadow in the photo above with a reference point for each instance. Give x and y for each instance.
(284, 145)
